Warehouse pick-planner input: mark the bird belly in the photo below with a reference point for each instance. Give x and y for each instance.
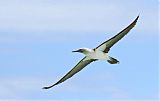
(97, 55)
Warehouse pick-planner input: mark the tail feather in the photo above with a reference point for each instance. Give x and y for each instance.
(113, 60)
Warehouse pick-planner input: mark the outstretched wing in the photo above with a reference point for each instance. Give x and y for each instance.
(76, 69)
(105, 46)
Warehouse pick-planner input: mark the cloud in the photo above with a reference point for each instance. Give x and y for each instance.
(23, 88)
(56, 21)
(61, 16)
(47, 15)
(19, 87)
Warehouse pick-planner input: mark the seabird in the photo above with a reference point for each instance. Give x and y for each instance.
(98, 53)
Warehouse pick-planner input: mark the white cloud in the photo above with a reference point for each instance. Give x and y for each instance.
(47, 20)
(61, 16)
(42, 15)
(23, 88)
(19, 87)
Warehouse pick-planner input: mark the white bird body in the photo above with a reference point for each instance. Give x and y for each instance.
(95, 54)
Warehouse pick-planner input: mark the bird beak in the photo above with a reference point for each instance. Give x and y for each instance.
(76, 51)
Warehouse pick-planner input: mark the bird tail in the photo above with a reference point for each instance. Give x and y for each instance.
(113, 60)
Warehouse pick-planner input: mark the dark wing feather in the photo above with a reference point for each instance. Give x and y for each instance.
(76, 69)
(105, 46)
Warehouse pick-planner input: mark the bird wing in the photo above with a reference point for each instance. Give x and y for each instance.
(105, 46)
(76, 69)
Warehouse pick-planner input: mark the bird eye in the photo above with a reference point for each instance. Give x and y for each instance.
(81, 50)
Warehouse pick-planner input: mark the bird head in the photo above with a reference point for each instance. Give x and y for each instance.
(83, 50)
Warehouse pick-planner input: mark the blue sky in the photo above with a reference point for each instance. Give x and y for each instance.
(37, 37)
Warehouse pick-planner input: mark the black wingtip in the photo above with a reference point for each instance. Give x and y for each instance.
(45, 87)
(135, 21)
(48, 87)
(137, 17)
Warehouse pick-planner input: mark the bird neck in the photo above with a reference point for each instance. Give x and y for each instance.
(88, 51)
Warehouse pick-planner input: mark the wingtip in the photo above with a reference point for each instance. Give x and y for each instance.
(48, 87)
(45, 87)
(137, 18)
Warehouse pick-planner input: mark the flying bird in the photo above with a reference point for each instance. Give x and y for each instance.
(98, 53)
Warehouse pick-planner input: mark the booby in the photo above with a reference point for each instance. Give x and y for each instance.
(98, 53)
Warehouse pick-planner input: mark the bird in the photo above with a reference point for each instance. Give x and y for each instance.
(98, 53)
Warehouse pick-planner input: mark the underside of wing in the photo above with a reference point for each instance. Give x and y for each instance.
(76, 69)
(105, 46)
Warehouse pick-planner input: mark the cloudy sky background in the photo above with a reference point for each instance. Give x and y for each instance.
(37, 37)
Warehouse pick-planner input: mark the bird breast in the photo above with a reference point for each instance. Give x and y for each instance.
(97, 55)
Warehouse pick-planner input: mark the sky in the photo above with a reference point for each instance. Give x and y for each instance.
(37, 38)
